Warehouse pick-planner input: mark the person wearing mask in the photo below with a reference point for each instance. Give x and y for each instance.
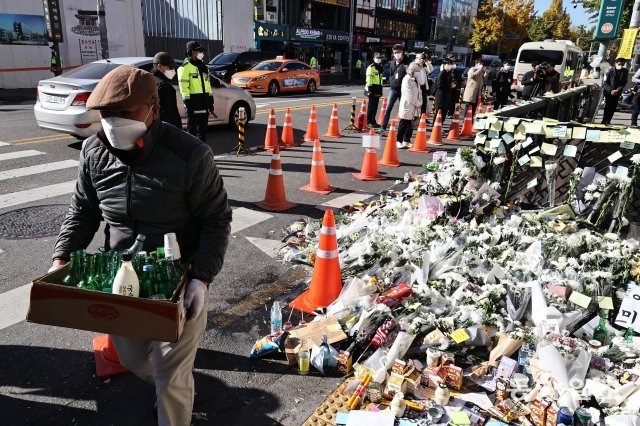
(613, 85)
(445, 85)
(475, 83)
(143, 176)
(502, 85)
(195, 88)
(373, 89)
(410, 105)
(425, 69)
(636, 104)
(553, 79)
(457, 89)
(530, 82)
(164, 70)
(397, 71)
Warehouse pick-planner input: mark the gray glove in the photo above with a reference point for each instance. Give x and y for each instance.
(194, 298)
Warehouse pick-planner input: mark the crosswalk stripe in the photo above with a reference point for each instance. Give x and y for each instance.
(268, 247)
(244, 218)
(40, 193)
(19, 154)
(41, 168)
(344, 200)
(4, 144)
(14, 305)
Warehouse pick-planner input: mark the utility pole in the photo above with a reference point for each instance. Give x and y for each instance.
(352, 11)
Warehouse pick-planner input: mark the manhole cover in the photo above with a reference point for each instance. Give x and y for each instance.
(32, 222)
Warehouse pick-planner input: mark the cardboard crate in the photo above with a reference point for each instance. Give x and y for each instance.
(52, 303)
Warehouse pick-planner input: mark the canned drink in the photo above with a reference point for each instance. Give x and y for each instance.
(565, 417)
(582, 417)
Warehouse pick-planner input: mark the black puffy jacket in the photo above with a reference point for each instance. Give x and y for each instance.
(397, 71)
(171, 184)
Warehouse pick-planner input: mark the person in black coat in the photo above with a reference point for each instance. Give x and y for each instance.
(613, 85)
(397, 71)
(534, 82)
(502, 85)
(445, 89)
(164, 70)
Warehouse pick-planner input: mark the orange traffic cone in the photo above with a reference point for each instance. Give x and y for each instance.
(390, 155)
(369, 164)
(271, 138)
(107, 361)
(454, 129)
(312, 126)
(479, 110)
(489, 108)
(383, 109)
(319, 182)
(361, 122)
(420, 142)
(334, 127)
(326, 282)
(436, 133)
(275, 198)
(467, 126)
(287, 131)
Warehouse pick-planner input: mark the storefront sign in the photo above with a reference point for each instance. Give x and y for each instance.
(391, 41)
(264, 31)
(416, 45)
(372, 40)
(341, 3)
(306, 34)
(608, 19)
(336, 37)
(52, 20)
(628, 41)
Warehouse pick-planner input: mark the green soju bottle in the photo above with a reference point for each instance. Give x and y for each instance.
(90, 274)
(75, 269)
(148, 278)
(163, 284)
(628, 335)
(600, 333)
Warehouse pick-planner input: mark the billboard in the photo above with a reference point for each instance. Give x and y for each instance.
(22, 29)
(608, 19)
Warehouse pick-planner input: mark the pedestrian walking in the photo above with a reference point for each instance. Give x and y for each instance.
(475, 82)
(195, 88)
(373, 89)
(502, 86)
(613, 84)
(164, 70)
(636, 104)
(425, 69)
(410, 105)
(445, 86)
(397, 71)
(160, 180)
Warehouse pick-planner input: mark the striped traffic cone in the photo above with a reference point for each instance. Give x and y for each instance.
(361, 122)
(383, 109)
(390, 154)
(106, 357)
(312, 127)
(271, 138)
(454, 129)
(489, 108)
(287, 131)
(436, 133)
(275, 198)
(319, 182)
(420, 142)
(334, 127)
(326, 282)
(369, 170)
(467, 126)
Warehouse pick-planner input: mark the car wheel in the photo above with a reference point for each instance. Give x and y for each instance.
(311, 86)
(233, 114)
(274, 88)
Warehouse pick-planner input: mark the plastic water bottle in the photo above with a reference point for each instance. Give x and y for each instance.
(276, 317)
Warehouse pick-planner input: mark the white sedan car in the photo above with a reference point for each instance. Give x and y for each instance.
(61, 104)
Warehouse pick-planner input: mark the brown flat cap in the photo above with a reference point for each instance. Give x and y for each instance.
(123, 87)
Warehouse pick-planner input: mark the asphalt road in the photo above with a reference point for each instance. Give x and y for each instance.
(48, 373)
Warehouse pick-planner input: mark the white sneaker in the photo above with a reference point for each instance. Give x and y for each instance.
(405, 145)
(398, 145)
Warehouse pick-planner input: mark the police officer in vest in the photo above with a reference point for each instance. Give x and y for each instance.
(56, 62)
(195, 89)
(373, 89)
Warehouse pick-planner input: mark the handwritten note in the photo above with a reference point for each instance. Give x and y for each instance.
(460, 335)
(550, 149)
(580, 299)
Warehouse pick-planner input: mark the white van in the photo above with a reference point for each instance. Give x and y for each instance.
(564, 54)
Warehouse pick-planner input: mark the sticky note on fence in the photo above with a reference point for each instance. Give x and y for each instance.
(579, 132)
(605, 302)
(627, 145)
(549, 149)
(523, 160)
(532, 183)
(570, 151)
(592, 135)
(622, 171)
(614, 157)
(536, 161)
(460, 335)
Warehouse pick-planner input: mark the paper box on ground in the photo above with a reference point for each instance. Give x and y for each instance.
(52, 303)
(305, 336)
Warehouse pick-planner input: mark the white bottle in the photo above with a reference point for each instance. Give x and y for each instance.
(276, 317)
(126, 282)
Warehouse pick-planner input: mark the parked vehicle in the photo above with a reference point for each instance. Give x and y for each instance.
(61, 101)
(279, 75)
(564, 54)
(226, 65)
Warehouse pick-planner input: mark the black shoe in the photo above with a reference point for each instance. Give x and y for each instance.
(373, 125)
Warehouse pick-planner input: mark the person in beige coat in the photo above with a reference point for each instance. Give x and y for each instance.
(475, 82)
(410, 105)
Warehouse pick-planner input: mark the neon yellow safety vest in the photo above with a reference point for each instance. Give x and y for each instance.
(192, 81)
(373, 76)
(359, 64)
(313, 62)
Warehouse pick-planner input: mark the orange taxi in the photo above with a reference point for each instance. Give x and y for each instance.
(273, 76)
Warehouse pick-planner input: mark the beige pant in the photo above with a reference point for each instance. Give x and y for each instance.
(168, 367)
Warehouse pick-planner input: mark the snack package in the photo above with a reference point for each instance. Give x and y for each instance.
(395, 295)
(268, 344)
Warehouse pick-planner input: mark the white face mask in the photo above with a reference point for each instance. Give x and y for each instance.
(618, 67)
(398, 56)
(377, 60)
(200, 56)
(123, 133)
(479, 66)
(170, 74)
(447, 67)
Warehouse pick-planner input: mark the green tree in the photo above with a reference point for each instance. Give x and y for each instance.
(581, 36)
(501, 22)
(487, 27)
(539, 29)
(558, 20)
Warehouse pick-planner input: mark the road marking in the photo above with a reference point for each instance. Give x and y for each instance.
(40, 193)
(268, 247)
(293, 108)
(345, 200)
(261, 105)
(19, 154)
(260, 297)
(42, 168)
(14, 305)
(4, 143)
(52, 137)
(244, 218)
